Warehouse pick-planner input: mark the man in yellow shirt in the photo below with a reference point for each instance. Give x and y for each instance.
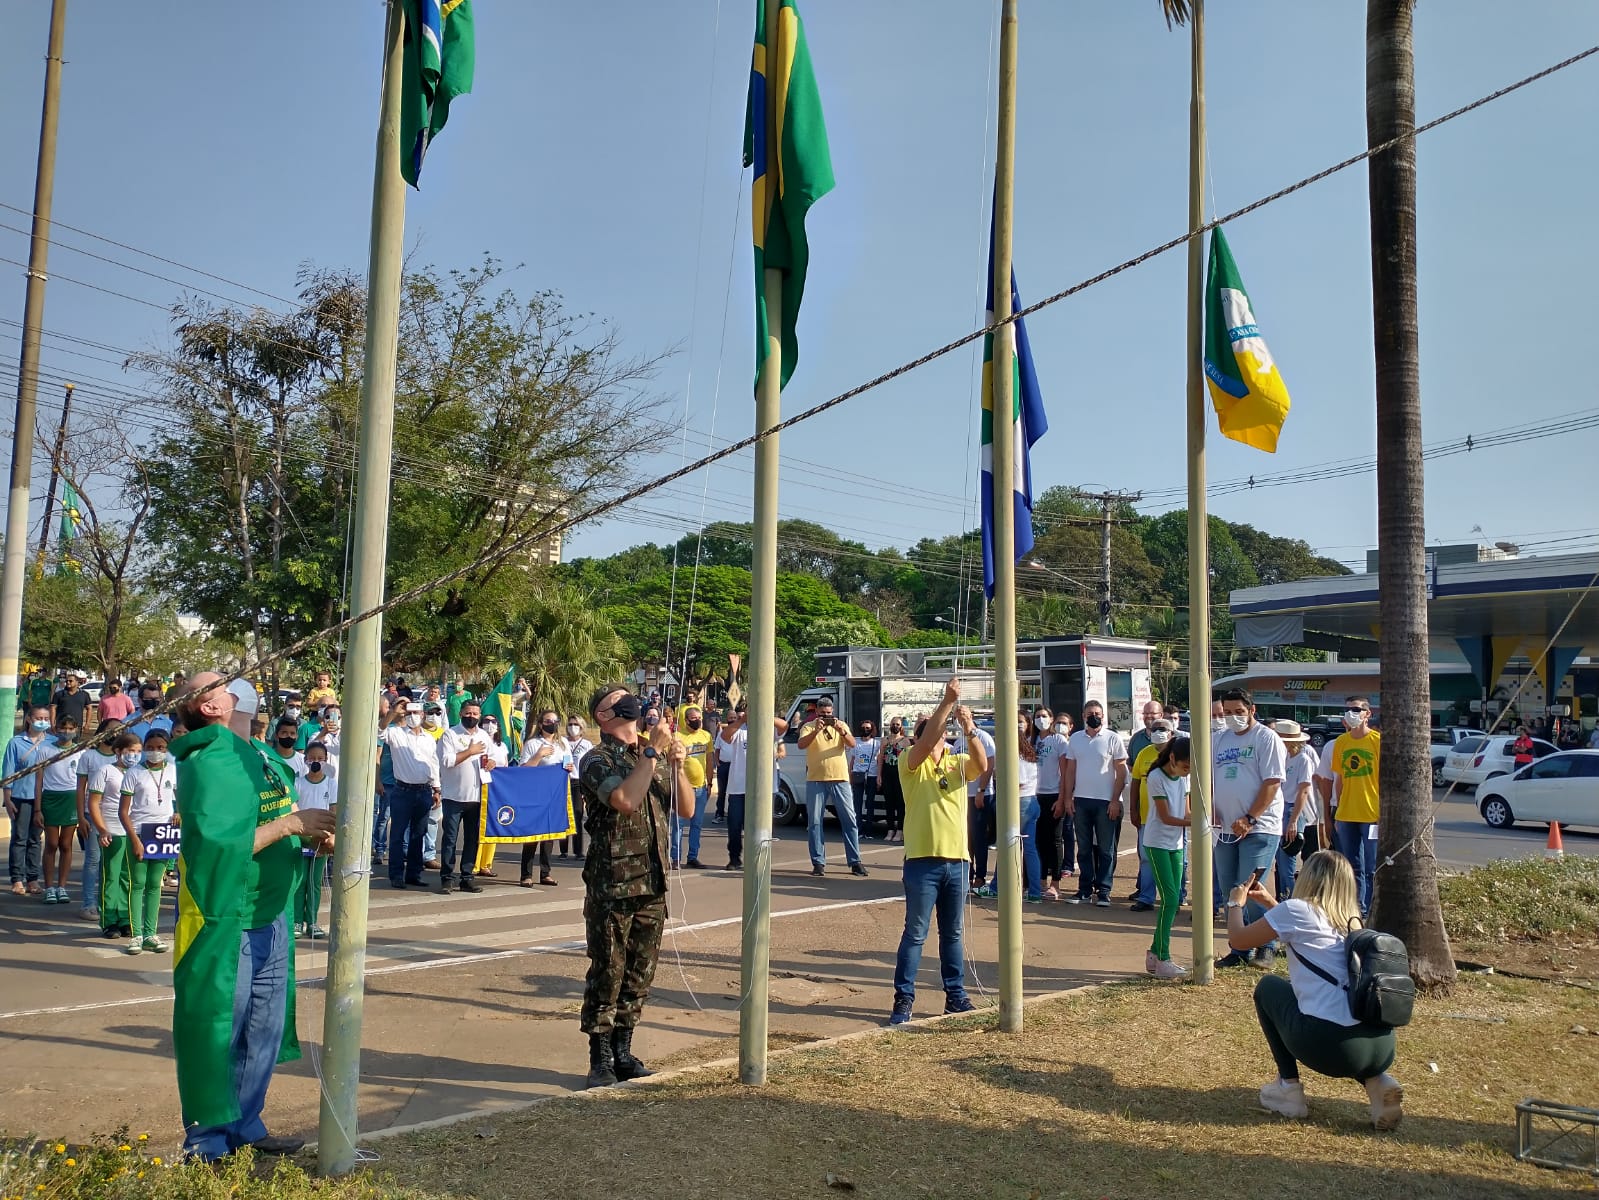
(693, 734)
(1356, 756)
(826, 742)
(934, 780)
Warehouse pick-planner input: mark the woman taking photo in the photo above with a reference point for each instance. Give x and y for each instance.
(1306, 1018)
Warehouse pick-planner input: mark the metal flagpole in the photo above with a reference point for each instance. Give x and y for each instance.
(1006, 696)
(341, 1018)
(16, 549)
(1198, 532)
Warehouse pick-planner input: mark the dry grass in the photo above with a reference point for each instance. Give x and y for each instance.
(1533, 916)
(1132, 1091)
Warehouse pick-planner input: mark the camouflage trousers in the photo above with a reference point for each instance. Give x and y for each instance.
(624, 940)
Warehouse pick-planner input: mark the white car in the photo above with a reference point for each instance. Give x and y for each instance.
(1562, 787)
(1474, 759)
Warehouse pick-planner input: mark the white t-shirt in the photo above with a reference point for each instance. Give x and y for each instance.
(988, 747)
(1172, 796)
(320, 795)
(1244, 761)
(63, 776)
(1050, 751)
(105, 777)
(738, 762)
(1096, 758)
(1026, 778)
(1306, 932)
(152, 793)
(863, 756)
(1301, 769)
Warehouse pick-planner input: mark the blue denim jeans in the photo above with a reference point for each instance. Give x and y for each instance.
(932, 885)
(1096, 846)
(1237, 861)
(260, 998)
(817, 797)
(1287, 873)
(409, 805)
(27, 840)
(91, 870)
(1032, 877)
(1144, 890)
(380, 822)
(1355, 841)
(690, 825)
(430, 837)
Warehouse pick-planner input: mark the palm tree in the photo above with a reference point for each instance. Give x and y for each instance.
(1406, 900)
(564, 648)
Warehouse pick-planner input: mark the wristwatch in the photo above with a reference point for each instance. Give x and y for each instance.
(1252, 819)
(651, 752)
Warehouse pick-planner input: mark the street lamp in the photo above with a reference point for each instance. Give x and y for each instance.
(1038, 566)
(963, 630)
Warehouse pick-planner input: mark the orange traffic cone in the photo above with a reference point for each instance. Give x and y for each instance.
(1555, 848)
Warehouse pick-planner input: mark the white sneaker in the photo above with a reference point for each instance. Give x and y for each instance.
(1387, 1102)
(1285, 1097)
(1168, 970)
(1151, 963)
(136, 946)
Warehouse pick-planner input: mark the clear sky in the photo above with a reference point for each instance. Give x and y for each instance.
(600, 150)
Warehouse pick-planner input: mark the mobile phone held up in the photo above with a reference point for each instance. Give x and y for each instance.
(1255, 877)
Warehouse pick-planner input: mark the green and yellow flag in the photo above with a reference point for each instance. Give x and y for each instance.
(499, 704)
(1250, 397)
(793, 168)
(440, 55)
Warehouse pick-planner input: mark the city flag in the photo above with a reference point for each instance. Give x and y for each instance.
(439, 58)
(792, 172)
(500, 703)
(1250, 397)
(528, 804)
(1027, 402)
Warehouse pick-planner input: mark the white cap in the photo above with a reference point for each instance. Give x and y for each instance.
(245, 698)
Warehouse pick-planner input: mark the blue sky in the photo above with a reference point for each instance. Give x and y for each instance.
(600, 150)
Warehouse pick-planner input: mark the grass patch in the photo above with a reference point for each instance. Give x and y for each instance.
(1525, 899)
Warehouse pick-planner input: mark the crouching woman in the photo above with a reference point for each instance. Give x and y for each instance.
(1306, 1017)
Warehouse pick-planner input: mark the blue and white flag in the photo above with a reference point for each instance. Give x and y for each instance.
(528, 804)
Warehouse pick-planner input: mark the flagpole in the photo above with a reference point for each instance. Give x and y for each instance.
(1204, 929)
(339, 1125)
(16, 549)
(1006, 698)
(755, 956)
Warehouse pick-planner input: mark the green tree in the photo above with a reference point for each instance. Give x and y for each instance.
(562, 644)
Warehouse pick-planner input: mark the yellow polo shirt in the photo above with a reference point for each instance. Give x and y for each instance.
(826, 758)
(935, 806)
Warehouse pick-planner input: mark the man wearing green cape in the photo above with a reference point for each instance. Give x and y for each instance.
(233, 962)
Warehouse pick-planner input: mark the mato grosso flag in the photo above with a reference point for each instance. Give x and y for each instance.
(528, 804)
(440, 56)
(1250, 397)
(792, 172)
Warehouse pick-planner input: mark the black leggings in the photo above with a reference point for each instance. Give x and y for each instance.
(894, 800)
(1057, 840)
(980, 832)
(1338, 1051)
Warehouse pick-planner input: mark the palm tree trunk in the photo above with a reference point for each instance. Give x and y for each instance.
(1406, 900)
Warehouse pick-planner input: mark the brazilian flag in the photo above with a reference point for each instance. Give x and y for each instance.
(785, 141)
(499, 703)
(440, 55)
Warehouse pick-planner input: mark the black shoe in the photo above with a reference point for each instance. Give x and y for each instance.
(1234, 959)
(627, 1067)
(468, 884)
(858, 869)
(416, 883)
(1141, 906)
(377, 860)
(734, 865)
(694, 864)
(277, 1144)
(444, 887)
(1266, 957)
(602, 1061)
(818, 870)
(125, 931)
(397, 883)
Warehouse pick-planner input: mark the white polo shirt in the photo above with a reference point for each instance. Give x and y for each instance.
(415, 755)
(1096, 757)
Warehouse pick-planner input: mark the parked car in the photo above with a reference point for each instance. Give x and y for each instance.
(1443, 741)
(1560, 787)
(1480, 757)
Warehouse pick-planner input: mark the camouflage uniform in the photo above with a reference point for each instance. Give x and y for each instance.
(624, 909)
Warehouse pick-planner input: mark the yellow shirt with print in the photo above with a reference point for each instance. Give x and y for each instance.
(826, 758)
(935, 806)
(1355, 762)
(1142, 766)
(698, 742)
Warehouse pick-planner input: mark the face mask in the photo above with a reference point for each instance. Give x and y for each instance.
(1237, 722)
(132, 758)
(1040, 723)
(652, 720)
(1217, 724)
(574, 731)
(548, 726)
(286, 740)
(1062, 728)
(331, 719)
(430, 721)
(695, 723)
(470, 722)
(40, 726)
(155, 758)
(67, 736)
(414, 720)
(149, 701)
(1353, 717)
(490, 728)
(627, 708)
(314, 767)
(292, 711)
(1093, 720)
(1159, 737)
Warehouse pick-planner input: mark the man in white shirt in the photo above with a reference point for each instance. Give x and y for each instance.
(543, 747)
(1248, 769)
(463, 753)
(415, 757)
(981, 826)
(733, 741)
(1093, 776)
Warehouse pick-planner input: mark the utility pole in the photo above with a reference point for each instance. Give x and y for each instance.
(16, 549)
(1107, 503)
(339, 1125)
(1007, 796)
(55, 473)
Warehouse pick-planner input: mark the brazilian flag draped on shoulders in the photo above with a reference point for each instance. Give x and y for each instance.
(1249, 394)
(793, 169)
(440, 55)
(227, 786)
(500, 704)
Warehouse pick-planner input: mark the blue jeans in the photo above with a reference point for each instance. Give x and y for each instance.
(380, 821)
(932, 884)
(1355, 841)
(91, 870)
(1032, 876)
(1237, 861)
(1287, 872)
(409, 805)
(27, 840)
(260, 998)
(1144, 890)
(430, 836)
(1096, 846)
(817, 797)
(690, 825)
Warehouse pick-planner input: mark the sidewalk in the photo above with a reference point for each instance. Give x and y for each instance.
(498, 1031)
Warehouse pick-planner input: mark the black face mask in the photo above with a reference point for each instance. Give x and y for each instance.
(150, 701)
(286, 740)
(547, 726)
(694, 723)
(627, 708)
(469, 722)
(1093, 720)
(314, 767)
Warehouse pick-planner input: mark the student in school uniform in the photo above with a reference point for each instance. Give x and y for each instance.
(102, 804)
(149, 796)
(317, 788)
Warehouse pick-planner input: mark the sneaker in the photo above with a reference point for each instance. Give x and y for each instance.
(1234, 959)
(314, 932)
(432, 864)
(1076, 899)
(902, 1012)
(136, 946)
(468, 884)
(1102, 902)
(1168, 970)
(734, 865)
(988, 891)
(1286, 1097)
(1035, 897)
(818, 870)
(858, 869)
(1150, 962)
(49, 895)
(155, 945)
(958, 1004)
(88, 914)
(62, 896)
(1141, 906)
(1266, 958)
(1387, 1102)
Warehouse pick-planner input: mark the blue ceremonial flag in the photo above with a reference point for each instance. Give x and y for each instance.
(528, 804)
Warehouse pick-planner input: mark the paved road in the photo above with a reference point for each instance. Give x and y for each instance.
(1465, 840)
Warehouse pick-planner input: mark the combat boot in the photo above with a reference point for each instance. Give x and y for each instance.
(627, 1067)
(602, 1062)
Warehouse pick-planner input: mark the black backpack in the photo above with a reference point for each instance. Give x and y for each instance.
(1380, 991)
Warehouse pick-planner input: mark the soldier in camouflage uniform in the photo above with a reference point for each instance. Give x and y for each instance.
(626, 788)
